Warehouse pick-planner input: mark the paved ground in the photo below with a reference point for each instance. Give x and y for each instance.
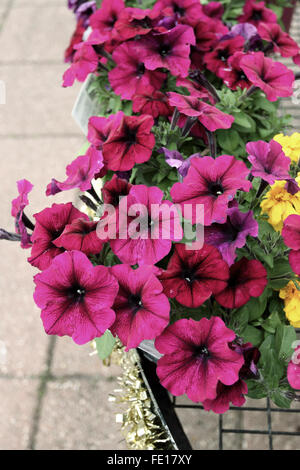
(53, 395)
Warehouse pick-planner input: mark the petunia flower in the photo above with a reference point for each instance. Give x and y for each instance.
(83, 9)
(148, 100)
(196, 357)
(291, 237)
(142, 310)
(233, 75)
(104, 19)
(293, 371)
(251, 356)
(274, 78)
(80, 235)
(256, 12)
(170, 50)
(218, 58)
(50, 224)
(209, 116)
(134, 22)
(232, 234)
(85, 61)
(213, 10)
(17, 211)
(268, 161)
(246, 30)
(114, 190)
(132, 142)
(227, 394)
(79, 173)
(185, 11)
(99, 128)
(176, 160)
(130, 73)
(192, 276)
(248, 278)
(76, 38)
(149, 239)
(280, 40)
(76, 297)
(213, 183)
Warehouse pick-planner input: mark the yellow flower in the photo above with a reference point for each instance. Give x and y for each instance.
(291, 296)
(290, 145)
(279, 204)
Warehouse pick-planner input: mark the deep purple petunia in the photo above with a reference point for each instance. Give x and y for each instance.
(80, 235)
(83, 9)
(268, 161)
(17, 211)
(148, 239)
(130, 73)
(76, 297)
(142, 310)
(114, 189)
(192, 276)
(248, 278)
(79, 173)
(274, 78)
(209, 116)
(50, 224)
(213, 183)
(291, 237)
(170, 50)
(196, 356)
(232, 234)
(176, 160)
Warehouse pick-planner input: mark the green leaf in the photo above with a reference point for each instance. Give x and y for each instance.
(280, 399)
(253, 335)
(105, 344)
(284, 338)
(256, 389)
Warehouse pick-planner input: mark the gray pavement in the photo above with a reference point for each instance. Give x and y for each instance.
(53, 394)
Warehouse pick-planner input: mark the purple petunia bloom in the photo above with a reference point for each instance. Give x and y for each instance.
(233, 234)
(176, 160)
(17, 211)
(247, 30)
(268, 161)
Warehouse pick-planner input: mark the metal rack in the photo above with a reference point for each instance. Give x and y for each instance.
(166, 405)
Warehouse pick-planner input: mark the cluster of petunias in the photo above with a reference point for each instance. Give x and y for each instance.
(144, 287)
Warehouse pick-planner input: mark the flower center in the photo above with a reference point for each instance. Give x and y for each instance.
(256, 15)
(130, 136)
(216, 189)
(202, 352)
(223, 55)
(76, 293)
(140, 69)
(165, 50)
(135, 302)
(188, 276)
(179, 10)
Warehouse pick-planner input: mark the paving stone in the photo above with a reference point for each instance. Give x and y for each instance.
(77, 416)
(36, 103)
(16, 407)
(47, 32)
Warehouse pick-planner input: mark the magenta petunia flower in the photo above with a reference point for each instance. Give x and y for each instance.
(99, 128)
(170, 50)
(251, 356)
(213, 183)
(76, 297)
(132, 142)
(80, 235)
(79, 173)
(291, 237)
(268, 161)
(293, 371)
(196, 357)
(185, 11)
(17, 211)
(233, 75)
(248, 278)
(256, 12)
(232, 234)
(193, 276)
(85, 61)
(149, 239)
(214, 10)
(218, 58)
(209, 116)
(104, 19)
(114, 190)
(142, 310)
(130, 73)
(227, 394)
(281, 41)
(147, 100)
(176, 160)
(134, 22)
(274, 78)
(50, 224)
